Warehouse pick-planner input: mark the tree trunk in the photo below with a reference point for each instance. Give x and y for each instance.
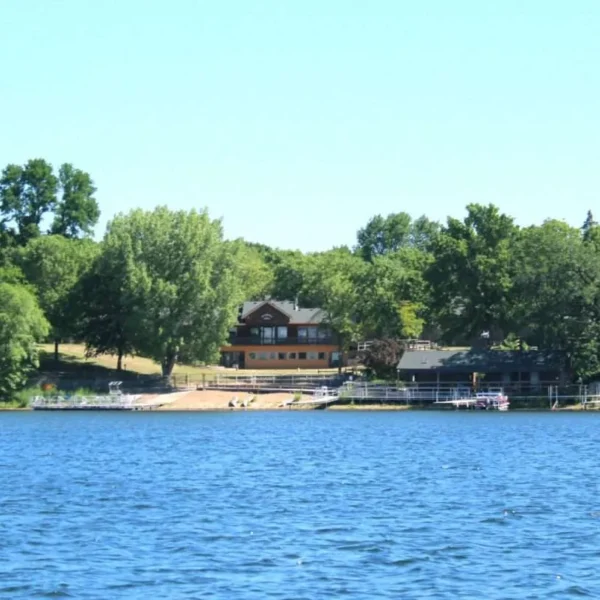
(56, 342)
(167, 364)
(120, 360)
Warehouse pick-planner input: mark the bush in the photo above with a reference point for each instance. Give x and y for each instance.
(381, 358)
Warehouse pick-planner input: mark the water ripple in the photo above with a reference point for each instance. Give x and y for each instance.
(299, 505)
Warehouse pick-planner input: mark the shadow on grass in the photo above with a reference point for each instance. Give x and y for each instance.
(74, 367)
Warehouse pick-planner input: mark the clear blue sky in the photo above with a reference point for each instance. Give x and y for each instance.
(298, 121)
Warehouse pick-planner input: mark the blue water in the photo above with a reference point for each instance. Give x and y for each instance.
(299, 505)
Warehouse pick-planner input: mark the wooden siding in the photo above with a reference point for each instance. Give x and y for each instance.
(257, 318)
(287, 363)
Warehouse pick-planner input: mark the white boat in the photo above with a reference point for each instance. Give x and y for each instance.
(492, 400)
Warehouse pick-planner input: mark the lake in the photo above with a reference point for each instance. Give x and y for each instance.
(299, 505)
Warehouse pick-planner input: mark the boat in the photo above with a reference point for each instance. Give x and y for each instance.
(492, 400)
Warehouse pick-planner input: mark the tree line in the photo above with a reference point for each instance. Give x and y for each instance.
(167, 285)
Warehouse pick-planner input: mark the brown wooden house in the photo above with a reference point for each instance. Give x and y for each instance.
(273, 334)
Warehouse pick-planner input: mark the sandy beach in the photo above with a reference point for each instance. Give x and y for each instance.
(213, 400)
(219, 400)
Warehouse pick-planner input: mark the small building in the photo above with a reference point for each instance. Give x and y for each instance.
(507, 368)
(273, 334)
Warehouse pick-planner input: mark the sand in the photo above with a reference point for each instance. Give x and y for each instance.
(213, 400)
(219, 400)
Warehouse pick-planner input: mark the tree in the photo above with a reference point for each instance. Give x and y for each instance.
(381, 358)
(557, 293)
(386, 287)
(26, 194)
(22, 325)
(332, 279)
(181, 282)
(53, 265)
(411, 325)
(29, 193)
(471, 274)
(383, 235)
(255, 274)
(77, 210)
(108, 303)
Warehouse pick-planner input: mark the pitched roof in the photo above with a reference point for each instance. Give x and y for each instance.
(297, 315)
(479, 361)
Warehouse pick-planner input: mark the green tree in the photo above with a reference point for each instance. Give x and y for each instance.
(77, 211)
(384, 235)
(22, 325)
(108, 300)
(471, 274)
(332, 279)
(183, 283)
(387, 284)
(557, 293)
(255, 274)
(411, 324)
(27, 193)
(53, 265)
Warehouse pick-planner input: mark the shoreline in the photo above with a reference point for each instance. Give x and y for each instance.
(219, 401)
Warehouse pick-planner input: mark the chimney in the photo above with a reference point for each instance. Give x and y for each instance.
(296, 303)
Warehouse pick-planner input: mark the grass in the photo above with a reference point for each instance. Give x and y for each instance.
(72, 358)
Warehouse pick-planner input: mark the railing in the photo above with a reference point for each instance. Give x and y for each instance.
(526, 397)
(289, 341)
(283, 382)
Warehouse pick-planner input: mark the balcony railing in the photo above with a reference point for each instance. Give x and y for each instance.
(289, 341)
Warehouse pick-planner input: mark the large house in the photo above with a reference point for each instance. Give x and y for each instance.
(516, 368)
(274, 334)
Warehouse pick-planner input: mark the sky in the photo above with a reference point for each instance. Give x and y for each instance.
(296, 121)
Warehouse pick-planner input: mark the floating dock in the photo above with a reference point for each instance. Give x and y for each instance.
(114, 400)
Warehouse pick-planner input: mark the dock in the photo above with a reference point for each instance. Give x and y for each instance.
(114, 400)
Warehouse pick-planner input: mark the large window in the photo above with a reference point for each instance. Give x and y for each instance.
(282, 333)
(308, 333)
(268, 335)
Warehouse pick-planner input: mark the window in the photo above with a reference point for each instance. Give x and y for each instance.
(262, 356)
(282, 333)
(254, 331)
(281, 356)
(308, 333)
(268, 335)
(252, 356)
(302, 333)
(312, 356)
(322, 355)
(302, 355)
(292, 356)
(273, 355)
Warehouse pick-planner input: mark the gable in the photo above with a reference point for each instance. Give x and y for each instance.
(266, 313)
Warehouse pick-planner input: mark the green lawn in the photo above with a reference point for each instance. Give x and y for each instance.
(72, 357)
